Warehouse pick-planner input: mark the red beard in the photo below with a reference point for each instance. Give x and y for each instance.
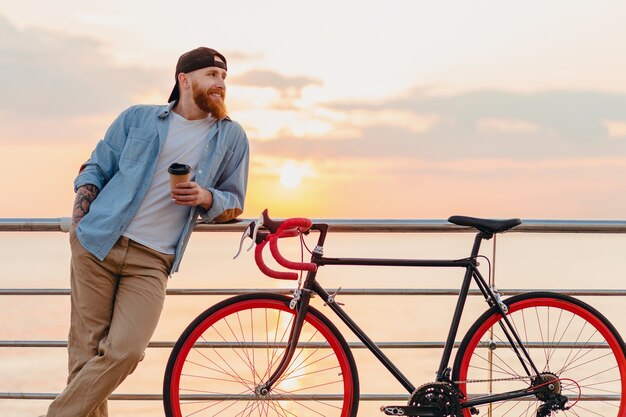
(209, 104)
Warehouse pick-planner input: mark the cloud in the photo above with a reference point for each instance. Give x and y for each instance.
(232, 55)
(414, 122)
(506, 126)
(49, 75)
(288, 86)
(477, 125)
(578, 115)
(615, 129)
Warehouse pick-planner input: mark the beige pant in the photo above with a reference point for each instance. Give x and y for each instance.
(116, 305)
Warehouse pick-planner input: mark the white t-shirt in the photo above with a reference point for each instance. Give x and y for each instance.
(159, 221)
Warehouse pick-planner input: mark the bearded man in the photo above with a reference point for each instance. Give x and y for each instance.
(130, 228)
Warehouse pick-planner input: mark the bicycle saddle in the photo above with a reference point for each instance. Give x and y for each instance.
(486, 225)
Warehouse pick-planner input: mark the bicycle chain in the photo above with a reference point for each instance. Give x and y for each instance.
(472, 381)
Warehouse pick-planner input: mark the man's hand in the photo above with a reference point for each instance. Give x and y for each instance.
(191, 194)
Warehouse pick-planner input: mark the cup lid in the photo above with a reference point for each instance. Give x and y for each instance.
(179, 169)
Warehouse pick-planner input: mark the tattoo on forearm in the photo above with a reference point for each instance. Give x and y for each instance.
(84, 197)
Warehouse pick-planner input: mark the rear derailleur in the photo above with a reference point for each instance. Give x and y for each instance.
(555, 404)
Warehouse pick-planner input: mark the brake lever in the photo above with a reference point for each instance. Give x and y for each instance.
(245, 234)
(258, 223)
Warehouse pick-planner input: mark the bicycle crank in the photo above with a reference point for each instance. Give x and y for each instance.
(436, 399)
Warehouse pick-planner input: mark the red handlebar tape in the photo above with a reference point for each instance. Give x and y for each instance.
(258, 257)
(298, 266)
(288, 228)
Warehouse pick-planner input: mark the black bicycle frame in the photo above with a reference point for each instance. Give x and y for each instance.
(470, 264)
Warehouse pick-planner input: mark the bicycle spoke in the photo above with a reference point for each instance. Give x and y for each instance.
(565, 341)
(242, 347)
(235, 375)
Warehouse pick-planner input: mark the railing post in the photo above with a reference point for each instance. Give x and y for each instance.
(492, 283)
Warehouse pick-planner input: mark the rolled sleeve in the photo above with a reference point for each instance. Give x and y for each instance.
(230, 192)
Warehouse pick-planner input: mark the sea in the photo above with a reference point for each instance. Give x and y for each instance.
(522, 261)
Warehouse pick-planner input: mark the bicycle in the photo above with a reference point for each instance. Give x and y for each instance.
(533, 354)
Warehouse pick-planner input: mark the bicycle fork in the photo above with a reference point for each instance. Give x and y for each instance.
(294, 335)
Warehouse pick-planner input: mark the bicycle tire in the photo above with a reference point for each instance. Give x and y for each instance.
(207, 374)
(565, 337)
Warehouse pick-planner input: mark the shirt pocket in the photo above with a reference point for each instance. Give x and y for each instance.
(137, 144)
(219, 163)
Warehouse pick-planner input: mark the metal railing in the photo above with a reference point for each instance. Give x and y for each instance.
(337, 226)
(62, 224)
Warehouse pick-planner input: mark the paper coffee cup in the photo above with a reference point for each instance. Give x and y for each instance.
(178, 173)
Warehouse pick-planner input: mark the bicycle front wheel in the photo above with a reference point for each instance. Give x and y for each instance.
(233, 347)
(572, 345)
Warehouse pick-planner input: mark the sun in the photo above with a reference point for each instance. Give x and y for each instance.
(291, 174)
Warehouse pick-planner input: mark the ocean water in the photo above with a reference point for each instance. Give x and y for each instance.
(525, 261)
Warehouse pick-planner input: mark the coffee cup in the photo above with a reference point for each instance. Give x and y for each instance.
(178, 173)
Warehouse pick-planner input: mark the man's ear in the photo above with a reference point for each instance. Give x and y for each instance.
(184, 81)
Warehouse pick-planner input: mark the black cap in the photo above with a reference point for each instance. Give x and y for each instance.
(193, 60)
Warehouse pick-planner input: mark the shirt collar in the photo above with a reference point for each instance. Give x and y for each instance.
(166, 111)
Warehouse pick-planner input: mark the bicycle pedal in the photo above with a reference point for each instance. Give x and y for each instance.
(410, 411)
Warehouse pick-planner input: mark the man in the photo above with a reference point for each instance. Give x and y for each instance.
(129, 229)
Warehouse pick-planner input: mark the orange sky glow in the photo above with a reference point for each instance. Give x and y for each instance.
(481, 109)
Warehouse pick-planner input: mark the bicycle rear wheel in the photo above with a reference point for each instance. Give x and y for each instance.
(571, 344)
(234, 346)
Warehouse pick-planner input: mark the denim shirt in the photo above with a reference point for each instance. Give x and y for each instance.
(122, 166)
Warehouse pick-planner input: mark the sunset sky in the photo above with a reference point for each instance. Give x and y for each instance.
(354, 109)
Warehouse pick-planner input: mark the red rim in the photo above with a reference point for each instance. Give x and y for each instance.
(556, 303)
(260, 304)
